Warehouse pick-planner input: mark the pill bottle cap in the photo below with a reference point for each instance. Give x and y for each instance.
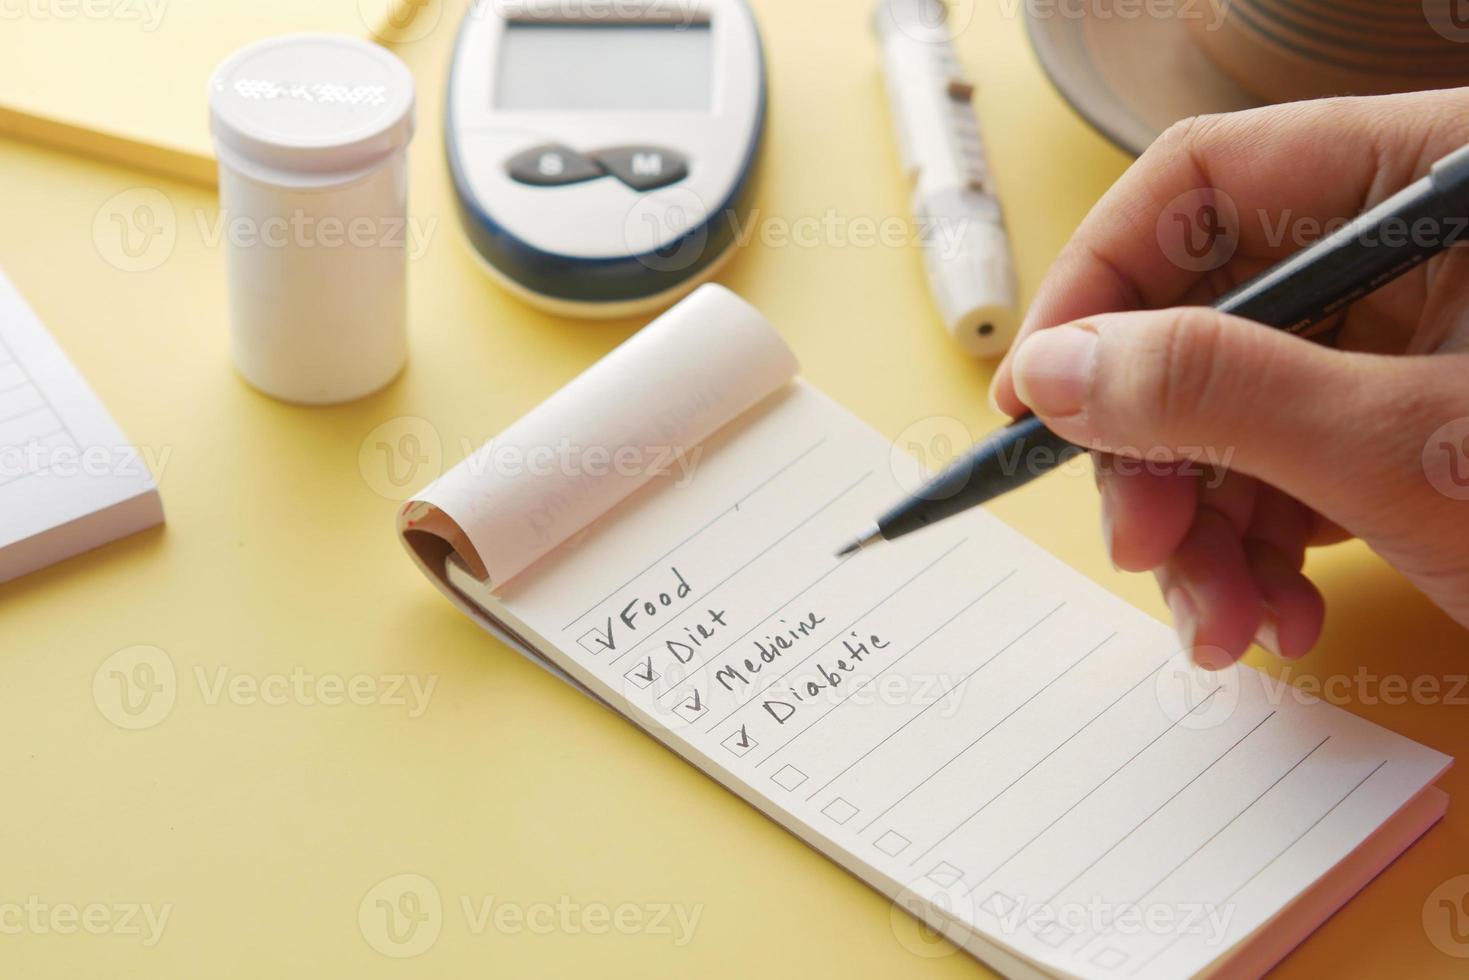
(310, 109)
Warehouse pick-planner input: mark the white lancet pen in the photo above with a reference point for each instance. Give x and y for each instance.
(966, 253)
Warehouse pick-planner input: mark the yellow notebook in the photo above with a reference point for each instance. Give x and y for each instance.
(1016, 756)
(124, 80)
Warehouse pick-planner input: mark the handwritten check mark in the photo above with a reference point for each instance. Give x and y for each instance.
(642, 675)
(691, 708)
(740, 741)
(597, 640)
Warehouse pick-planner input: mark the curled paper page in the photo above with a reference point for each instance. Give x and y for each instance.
(621, 422)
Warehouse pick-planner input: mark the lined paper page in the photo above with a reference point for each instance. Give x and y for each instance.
(958, 718)
(62, 458)
(26, 419)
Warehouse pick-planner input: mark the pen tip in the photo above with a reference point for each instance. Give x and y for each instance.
(860, 543)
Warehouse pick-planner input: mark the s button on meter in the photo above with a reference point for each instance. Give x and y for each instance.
(551, 166)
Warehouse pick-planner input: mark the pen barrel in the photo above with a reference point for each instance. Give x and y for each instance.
(1363, 255)
(1008, 458)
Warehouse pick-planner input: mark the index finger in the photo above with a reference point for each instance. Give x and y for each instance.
(1313, 161)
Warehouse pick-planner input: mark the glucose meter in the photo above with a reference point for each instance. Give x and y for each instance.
(601, 150)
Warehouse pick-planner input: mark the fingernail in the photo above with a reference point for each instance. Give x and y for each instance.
(1268, 633)
(1108, 523)
(1052, 370)
(1185, 619)
(994, 402)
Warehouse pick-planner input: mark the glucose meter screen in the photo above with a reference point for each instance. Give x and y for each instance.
(621, 67)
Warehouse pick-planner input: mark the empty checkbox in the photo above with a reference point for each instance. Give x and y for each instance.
(839, 810)
(999, 905)
(1053, 934)
(789, 777)
(739, 741)
(892, 843)
(595, 642)
(945, 874)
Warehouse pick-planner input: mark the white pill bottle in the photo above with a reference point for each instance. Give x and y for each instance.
(311, 132)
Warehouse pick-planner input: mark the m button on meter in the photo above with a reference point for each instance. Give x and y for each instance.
(552, 165)
(644, 168)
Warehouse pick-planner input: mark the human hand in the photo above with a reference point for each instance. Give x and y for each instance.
(1370, 439)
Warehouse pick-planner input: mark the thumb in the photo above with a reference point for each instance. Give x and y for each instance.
(1342, 432)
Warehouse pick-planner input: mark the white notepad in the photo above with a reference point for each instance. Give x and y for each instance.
(1022, 760)
(69, 479)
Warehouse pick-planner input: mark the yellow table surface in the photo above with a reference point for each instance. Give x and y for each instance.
(264, 827)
